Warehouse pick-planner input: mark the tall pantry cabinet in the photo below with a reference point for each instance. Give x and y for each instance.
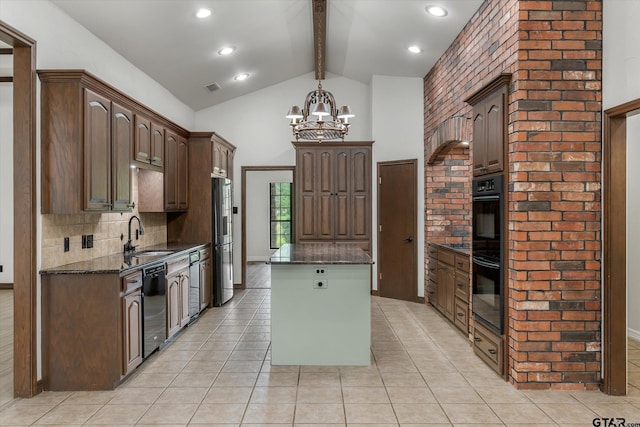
(333, 192)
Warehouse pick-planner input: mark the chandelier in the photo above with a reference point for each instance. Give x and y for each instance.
(320, 120)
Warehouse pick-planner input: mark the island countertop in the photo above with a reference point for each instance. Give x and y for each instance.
(320, 253)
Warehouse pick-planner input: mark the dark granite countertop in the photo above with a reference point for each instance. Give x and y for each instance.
(463, 248)
(320, 253)
(118, 263)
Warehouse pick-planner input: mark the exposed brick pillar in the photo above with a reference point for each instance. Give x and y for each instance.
(554, 197)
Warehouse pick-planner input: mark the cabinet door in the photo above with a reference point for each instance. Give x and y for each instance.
(216, 158)
(97, 148)
(306, 203)
(157, 145)
(121, 140)
(171, 172)
(184, 298)
(360, 198)
(341, 194)
(132, 324)
(495, 135)
(479, 140)
(205, 283)
(449, 284)
(142, 140)
(182, 174)
(173, 304)
(324, 195)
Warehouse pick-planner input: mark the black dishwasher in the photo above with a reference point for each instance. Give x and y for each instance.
(154, 308)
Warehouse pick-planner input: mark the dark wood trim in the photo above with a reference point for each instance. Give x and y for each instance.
(421, 300)
(6, 285)
(614, 247)
(25, 355)
(502, 80)
(375, 292)
(6, 79)
(243, 206)
(6, 51)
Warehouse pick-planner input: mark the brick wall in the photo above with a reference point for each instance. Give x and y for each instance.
(553, 49)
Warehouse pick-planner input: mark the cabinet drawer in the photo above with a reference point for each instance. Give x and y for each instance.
(177, 265)
(446, 257)
(462, 263)
(433, 251)
(461, 315)
(462, 286)
(487, 344)
(205, 253)
(131, 282)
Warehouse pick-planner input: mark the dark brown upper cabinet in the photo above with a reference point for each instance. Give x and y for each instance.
(91, 133)
(333, 192)
(222, 152)
(176, 173)
(489, 126)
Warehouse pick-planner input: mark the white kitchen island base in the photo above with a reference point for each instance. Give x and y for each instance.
(320, 314)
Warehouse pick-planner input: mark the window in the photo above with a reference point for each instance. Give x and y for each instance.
(280, 213)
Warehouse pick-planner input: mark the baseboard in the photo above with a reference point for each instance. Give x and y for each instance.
(632, 333)
(375, 292)
(420, 300)
(257, 259)
(6, 285)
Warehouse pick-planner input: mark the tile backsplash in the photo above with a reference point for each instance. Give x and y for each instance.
(109, 233)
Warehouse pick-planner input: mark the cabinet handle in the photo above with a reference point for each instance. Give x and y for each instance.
(492, 351)
(131, 205)
(459, 314)
(476, 339)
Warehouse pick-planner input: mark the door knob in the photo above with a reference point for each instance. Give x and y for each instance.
(409, 239)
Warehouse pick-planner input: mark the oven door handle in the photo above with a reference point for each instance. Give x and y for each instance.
(487, 264)
(485, 198)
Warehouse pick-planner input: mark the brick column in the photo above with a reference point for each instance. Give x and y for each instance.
(554, 197)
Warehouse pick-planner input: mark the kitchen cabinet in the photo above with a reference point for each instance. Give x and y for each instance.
(490, 109)
(177, 280)
(333, 193)
(206, 284)
(488, 345)
(131, 322)
(175, 173)
(449, 284)
(148, 146)
(91, 134)
(222, 153)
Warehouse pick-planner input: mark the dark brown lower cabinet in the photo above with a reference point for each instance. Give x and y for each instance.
(90, 333)
(132, 322)
(449, 282)
(488, 345)
(206, 286)
(177, 280)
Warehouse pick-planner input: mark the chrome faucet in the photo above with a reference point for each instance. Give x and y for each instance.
(128, 247)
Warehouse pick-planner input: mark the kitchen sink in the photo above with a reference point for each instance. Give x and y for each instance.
(151, 253)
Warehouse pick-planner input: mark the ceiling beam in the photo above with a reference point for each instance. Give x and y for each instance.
(319, 36)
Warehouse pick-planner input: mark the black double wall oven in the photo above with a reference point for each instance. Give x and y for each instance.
(487, 249)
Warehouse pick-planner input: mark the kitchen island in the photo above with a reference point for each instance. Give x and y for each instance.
(320, 305)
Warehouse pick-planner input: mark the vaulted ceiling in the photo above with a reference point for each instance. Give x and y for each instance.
(273, 39)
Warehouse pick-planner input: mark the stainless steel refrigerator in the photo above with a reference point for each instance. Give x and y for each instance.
(222, 240)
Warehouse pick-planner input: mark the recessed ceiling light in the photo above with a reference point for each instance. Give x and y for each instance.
(203, 13)
(226, 50)
(414, 49)
(436, 11)
(242, 76)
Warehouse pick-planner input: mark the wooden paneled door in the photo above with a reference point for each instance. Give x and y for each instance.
(397, 230)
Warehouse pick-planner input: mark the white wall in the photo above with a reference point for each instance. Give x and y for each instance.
(258, 219)
(6, 182)
(398, 129)
(64, 43)
(255, 123)
(620, 53)
(633, 226)
(620, 84)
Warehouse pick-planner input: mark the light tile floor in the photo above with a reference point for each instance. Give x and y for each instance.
(218, 372)
(258, 275)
